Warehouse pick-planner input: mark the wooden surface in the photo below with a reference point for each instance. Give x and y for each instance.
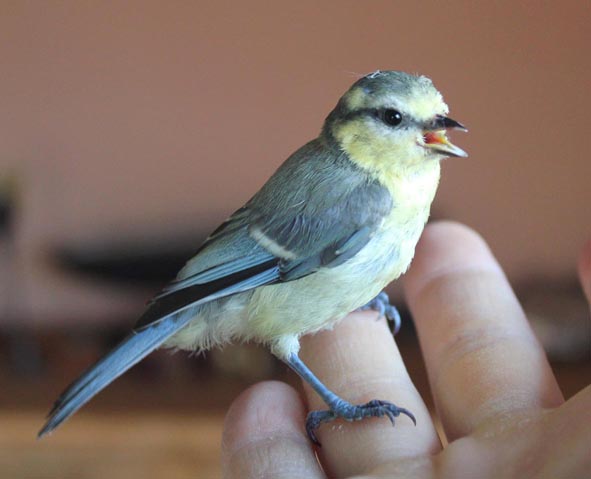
(165, 425)
(149, 445)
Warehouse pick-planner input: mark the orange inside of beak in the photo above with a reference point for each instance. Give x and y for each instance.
(435, 137)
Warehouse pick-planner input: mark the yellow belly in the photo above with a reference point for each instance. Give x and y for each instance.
(317, 301)
(278, 315)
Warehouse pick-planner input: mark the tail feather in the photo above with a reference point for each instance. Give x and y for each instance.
(167, 315)
(128, 353)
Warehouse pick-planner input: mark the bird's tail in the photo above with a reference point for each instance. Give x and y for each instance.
(129, 352)
(165, 316)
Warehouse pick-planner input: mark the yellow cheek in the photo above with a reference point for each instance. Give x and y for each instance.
(365, 146)
(386, 157)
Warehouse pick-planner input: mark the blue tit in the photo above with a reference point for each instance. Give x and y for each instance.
(336, 223)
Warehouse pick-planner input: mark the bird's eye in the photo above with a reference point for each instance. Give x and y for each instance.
(392, 117)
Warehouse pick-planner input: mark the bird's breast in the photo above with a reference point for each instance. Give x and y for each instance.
(316, 301)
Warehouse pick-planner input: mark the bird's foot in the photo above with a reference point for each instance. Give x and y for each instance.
(350, 412)
(381, 304)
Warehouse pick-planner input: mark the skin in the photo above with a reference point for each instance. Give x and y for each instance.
(500, 406)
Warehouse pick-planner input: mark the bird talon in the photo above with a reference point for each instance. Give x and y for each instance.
(381, 304)
(350, 412)
(406, 412)
(390, 416)
(313, 422)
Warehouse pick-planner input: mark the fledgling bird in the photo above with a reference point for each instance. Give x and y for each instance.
(335, 224)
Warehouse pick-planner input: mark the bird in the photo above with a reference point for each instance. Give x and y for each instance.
(337, 222)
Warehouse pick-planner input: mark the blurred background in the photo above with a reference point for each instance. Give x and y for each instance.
(128, 130)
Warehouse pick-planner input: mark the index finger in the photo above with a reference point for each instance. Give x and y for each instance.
(359, 361)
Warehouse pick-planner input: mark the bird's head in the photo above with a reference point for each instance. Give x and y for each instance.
(392, 117)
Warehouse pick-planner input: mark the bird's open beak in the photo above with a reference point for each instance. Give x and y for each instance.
(434, 136)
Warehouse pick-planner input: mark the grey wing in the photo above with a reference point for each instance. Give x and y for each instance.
(319, 213)
(229, 249)
(229, 261)
(309, 215)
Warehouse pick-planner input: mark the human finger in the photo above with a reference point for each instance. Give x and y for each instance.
(482, 357)
(264, 435)
(359, 361)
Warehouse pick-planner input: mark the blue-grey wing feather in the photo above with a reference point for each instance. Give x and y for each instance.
(346, 209)
(320, 212)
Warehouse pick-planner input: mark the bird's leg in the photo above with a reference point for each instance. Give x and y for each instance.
(381, 304)
(339, 407)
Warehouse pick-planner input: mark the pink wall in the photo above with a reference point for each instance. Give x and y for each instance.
(132, 118)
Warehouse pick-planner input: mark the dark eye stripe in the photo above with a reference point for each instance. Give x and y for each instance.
(378, 114)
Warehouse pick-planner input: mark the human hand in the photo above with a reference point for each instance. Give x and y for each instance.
(500, 406)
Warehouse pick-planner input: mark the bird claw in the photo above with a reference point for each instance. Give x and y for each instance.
(350, 412)
(381, 304)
